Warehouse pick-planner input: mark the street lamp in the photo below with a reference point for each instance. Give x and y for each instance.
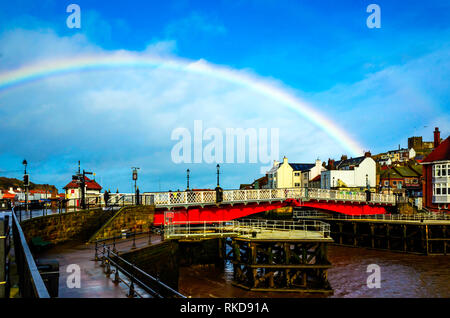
(187, 175)
(26, 183)
(135, 177)
(218, 172)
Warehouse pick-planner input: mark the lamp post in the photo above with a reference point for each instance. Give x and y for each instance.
(135, 177)
(218, 172)
(26, 183)
(187, 176)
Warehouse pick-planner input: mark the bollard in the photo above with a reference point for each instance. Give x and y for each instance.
(96, 253)
(103, 256)
(108, 266)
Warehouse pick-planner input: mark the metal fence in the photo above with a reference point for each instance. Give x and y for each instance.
(31, 284)
(4, 247)
(307, 228)
(117, 265)
(387, 217)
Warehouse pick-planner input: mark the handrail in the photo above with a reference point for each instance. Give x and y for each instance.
(309, 228)
(387, 217)
(208, 197)
(108, 255)
(31, 284)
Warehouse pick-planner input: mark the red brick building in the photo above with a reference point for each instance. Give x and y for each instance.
(436, 174)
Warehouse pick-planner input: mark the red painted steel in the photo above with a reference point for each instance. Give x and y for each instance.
(227, 212)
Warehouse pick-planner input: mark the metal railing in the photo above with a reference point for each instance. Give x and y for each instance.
(247, 227)
(387, 217)
(31, 284)
(4, 250)
(208, 197)
(151, 285)
(186, 198)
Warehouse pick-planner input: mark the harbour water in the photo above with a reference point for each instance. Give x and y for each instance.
(402, 275)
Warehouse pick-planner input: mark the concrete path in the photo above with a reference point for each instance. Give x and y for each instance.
(94, 282)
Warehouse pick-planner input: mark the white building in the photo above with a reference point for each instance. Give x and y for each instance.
(311, 173)
(350, 173)
(292, 175)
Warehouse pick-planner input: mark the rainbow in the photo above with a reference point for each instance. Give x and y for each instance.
(56, 67)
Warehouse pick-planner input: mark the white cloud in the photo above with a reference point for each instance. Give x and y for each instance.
(112, 119)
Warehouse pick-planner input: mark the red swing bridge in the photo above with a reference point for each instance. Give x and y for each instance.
(226, 205)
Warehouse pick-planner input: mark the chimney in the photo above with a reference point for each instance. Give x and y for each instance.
(285, 160)
(437, 137)
(367, 154)
(330, 164)
(344, 157)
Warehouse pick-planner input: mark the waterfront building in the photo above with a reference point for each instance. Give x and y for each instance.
(353, 173)
(407, 177)
(73, 191)
(310, 174)
(289, 175)
(436, 174)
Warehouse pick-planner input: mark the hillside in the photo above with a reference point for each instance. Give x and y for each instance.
(6, 183)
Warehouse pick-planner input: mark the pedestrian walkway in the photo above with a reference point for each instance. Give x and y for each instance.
(94, 282)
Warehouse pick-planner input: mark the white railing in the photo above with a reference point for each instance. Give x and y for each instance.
(386, 217)
(185, 198)
(249, 228)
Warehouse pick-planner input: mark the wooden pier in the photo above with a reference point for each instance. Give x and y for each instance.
(401, 233)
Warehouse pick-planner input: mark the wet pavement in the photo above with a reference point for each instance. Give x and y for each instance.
(94, 282)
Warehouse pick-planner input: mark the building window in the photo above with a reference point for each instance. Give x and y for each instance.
(438, 171)
(444, 170)
(394, 182)
(438, 189)
(386, 183)
(297, 174)
(444, 190)
(297, 184)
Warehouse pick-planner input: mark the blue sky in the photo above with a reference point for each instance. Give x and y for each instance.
(380, 85)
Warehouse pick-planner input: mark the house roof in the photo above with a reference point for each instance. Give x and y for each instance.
(401, 172)
(301, 166)
(8, 195)
(90, 184)
(441, 152)
(316, 178)
(349, 162)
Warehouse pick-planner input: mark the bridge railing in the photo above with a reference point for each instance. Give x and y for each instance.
(387, 217)
(180, 198)
(246, 227)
